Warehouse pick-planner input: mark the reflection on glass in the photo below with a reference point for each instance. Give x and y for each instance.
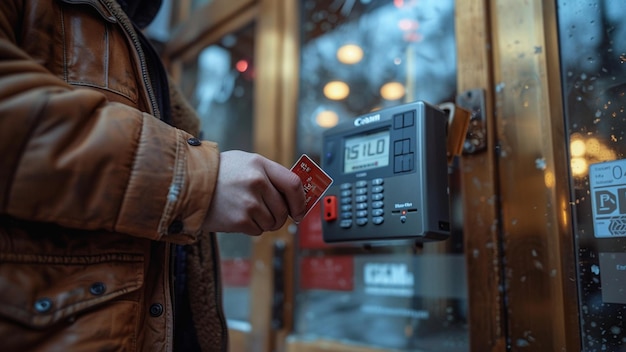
(387, 53)
(382, 53)
(593, 43)
(398, 301)
(196, 4)
(350, 54)
(220, 84)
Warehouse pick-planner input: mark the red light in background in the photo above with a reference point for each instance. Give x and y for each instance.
(242, 66)
(410, 28)
(408, 24)
(413, 37)
(402, 3)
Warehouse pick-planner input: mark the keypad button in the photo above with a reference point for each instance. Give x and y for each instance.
(361, 221)
(360, 184)
(377, 189)
(377, 220)
(360, 199)
(377, 205)
(345, 224)
(377, 196)
(377, 212)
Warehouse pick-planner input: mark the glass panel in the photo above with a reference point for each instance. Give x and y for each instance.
(220, 84)
(380, 53)
(358, 56)
(593, 51)
(159, 30)
(196, 4)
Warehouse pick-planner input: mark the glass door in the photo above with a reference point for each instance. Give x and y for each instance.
(219, 81)
(229, 63)
(358, 57)
(593, 42)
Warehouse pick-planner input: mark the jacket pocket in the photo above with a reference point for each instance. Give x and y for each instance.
(97, 52)
(39, 291)
(70, 303)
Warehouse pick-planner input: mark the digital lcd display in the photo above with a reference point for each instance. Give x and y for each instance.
(365, 152)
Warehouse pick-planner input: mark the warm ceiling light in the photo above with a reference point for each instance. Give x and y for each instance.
(327, 119)
(392, 91)
(336, 90)
(350, 54)
(577, 148)
(593, 146)
(548, 179)
(579, 166)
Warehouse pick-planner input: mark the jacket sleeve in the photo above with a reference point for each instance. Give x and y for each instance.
(73, 158)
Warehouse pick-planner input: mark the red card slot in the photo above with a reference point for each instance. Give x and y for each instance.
(330, 208)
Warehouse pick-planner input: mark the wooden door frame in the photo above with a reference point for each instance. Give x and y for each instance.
(540, 280)
(487, 31)
(481, 232)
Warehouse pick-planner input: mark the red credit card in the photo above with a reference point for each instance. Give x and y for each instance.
(314, 180)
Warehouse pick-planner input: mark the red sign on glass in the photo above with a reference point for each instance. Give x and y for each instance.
(235, 272)
(310, 230)
(327, 273)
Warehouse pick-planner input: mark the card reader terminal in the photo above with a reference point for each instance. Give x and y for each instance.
(390, 174)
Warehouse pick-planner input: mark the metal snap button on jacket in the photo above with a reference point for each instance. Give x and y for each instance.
(194, 141)
(175, 227)
(43, 305)
(97, 288)
(156, 310)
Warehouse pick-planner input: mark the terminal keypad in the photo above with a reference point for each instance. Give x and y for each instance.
(361, 202)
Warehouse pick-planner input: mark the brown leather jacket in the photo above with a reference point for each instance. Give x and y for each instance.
(95, 190)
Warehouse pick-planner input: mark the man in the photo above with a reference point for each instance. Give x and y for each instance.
(108, 203)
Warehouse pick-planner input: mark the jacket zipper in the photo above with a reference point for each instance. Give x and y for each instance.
(142, 59)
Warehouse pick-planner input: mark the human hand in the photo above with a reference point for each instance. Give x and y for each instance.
(254, 194)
